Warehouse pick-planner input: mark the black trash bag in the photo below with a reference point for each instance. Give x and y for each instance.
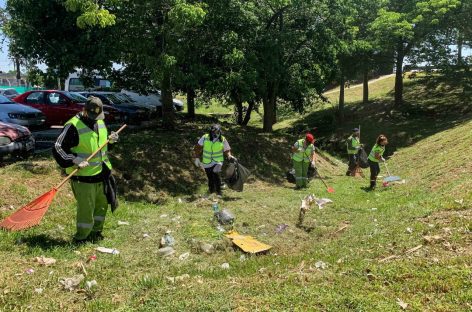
(363, 158)
(236, 175)
(291, 176)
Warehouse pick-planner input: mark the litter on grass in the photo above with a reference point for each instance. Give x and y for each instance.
(70, 283)
(280, 228)
(184, 256)
(44, 261)
(167, 240)
(108, 250)
(321, 265)
(247, 243)
(308, 202)
(165, 251)
(123, 223)
(91, 284)
(225, 266)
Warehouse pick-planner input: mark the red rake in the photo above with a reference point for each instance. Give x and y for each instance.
(328, 188)
(31, 214)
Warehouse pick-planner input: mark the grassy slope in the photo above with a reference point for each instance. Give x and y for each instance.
(436, 277)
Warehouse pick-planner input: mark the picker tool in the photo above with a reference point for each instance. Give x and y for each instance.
(328, 188)
(31, 214)
(390, 178)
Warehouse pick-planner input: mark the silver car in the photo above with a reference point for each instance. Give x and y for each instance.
(19, 114)
(9, 93)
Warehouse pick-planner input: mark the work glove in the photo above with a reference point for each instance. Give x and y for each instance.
(231, 157)
(113, 137)
(217, 168)
(382, 159)
(197, 163)
(313, 164)
(80, 162)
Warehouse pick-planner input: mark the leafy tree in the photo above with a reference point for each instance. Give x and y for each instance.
(44, 31)
(403, 24)
(149, 35)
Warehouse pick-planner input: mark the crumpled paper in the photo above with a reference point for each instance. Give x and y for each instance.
(70, 283)
(44, 261)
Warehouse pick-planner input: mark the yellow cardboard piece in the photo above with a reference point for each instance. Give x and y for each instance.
(247, 243)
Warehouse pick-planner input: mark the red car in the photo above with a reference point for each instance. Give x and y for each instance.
(60, 106)
(16, 140)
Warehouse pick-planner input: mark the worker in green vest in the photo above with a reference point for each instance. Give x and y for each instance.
(81, 137)
(376, 156)
(353, 145)
(303, 155)
(209, 154)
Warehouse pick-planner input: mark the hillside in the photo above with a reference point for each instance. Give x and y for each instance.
(368, 251)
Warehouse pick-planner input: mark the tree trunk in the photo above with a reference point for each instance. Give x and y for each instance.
(268, 114)
(239, 111)
(248, 113)
(365, 94)
(341, 98)
(460, 43)
(18, 71)
(399, 75)
(191, 103)
(166, 97)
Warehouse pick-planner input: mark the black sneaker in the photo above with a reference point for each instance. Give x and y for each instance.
(96, 236)
(76, 241)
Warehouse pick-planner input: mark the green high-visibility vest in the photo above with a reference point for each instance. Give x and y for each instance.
(376, 149)
(212, 151)
(89, 142)
(352, 144)
(305, 154)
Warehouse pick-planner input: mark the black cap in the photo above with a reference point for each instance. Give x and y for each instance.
(94, 108)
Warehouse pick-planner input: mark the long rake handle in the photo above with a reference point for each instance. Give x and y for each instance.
(90, 157)
(388, 171)
(319, 176)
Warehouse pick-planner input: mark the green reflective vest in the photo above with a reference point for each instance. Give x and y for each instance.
(212, 151)
(89, 142)
(376, 149)
(305, 154)
(352, 145)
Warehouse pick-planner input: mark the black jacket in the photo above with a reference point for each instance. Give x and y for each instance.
(68, 139)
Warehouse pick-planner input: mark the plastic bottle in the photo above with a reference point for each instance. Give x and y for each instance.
(215, 207)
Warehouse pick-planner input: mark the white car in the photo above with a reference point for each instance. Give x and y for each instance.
(153, 99)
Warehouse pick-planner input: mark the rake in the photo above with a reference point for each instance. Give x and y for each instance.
(31, 214)
(390, 178)
(328, 188)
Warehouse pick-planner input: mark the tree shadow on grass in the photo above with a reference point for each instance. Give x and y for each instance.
(45, 242)
(151, 164)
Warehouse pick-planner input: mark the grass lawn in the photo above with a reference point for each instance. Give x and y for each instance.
(368, 251)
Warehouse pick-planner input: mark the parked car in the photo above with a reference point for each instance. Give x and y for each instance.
(127, 99)
(60, 106)
(131, 114)
(19, 114)
(152, 99)
(15, 140)
(9, 93)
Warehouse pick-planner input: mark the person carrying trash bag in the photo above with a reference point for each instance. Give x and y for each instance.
(303, 155)
(353, 145)
(212, 148)
(81, 136)
(375, 156)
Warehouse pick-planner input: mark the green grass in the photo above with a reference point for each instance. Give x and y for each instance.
(432, 158)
